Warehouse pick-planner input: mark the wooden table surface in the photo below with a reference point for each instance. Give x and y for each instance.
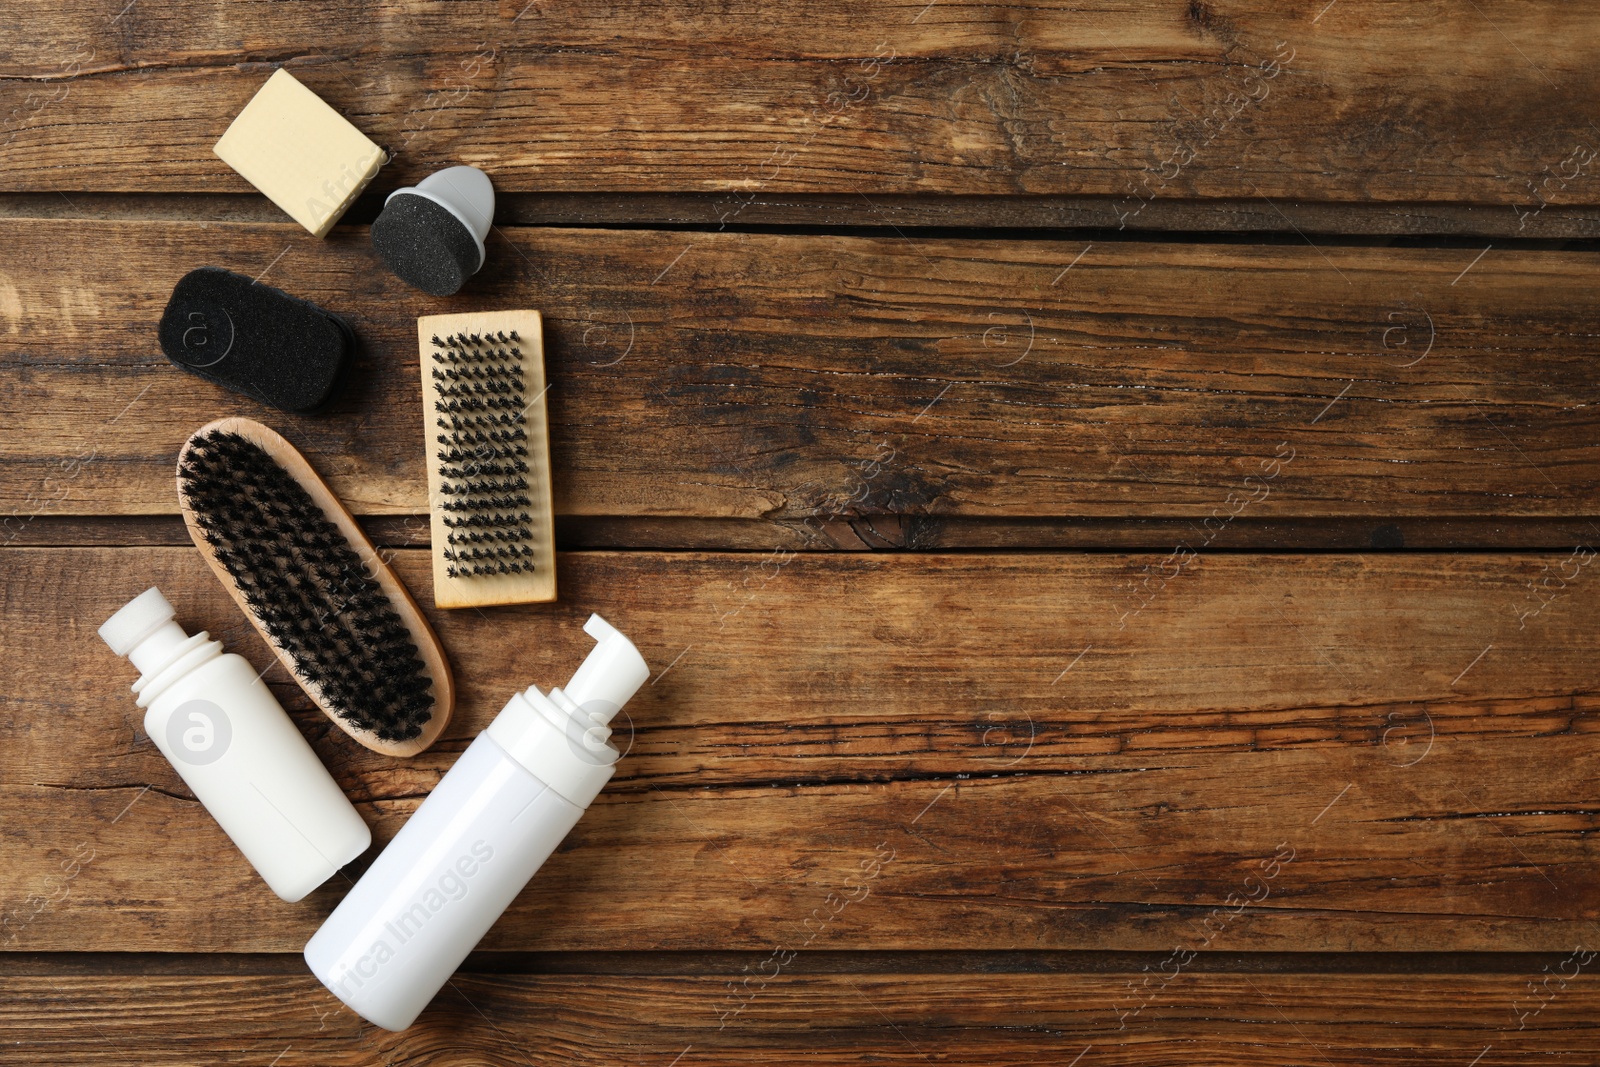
(1121, 474)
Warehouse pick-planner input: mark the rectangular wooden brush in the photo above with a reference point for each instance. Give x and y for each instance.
(488, 458)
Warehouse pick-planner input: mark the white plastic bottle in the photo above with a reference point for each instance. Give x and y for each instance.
(491, 822)
(232, 743)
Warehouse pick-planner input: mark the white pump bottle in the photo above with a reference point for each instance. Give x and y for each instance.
(465, 854)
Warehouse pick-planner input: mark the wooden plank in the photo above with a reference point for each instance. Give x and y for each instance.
(986, 1019)
(788, 378)
(1137, 101)
(1056, 755)
(908, 213)
(925, 534)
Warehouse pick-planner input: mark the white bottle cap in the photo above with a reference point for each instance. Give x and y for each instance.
(137, 620)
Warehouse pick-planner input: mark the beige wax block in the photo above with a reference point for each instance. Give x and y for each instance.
(304, 155)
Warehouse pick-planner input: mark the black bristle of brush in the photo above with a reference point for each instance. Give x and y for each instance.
(307, 586)
(483, 454)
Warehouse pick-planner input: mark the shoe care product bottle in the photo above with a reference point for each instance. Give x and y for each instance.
(472, 845)
(232, 743)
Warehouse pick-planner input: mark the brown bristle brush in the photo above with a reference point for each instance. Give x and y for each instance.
(295, 561)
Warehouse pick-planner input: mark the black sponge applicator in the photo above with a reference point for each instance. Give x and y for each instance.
(425, 245)
(431, 235)
(256, 340)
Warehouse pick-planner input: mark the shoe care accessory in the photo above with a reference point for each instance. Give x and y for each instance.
(305, 156)
(432, 235)
(483, 832)
(232, 743)
(256, 340)
(295, 561)
(488, 459)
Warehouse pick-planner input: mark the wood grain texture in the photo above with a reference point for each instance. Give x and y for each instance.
(980, 1019)
(795, 379)
(909, 214)
(868, 533)
(1229, 802)
(1139, 101)
(1047, 770)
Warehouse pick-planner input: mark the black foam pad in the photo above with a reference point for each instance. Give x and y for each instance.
(425, 245)
(256, 340)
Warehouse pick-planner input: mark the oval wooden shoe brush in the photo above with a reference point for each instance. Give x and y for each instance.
(312, 584)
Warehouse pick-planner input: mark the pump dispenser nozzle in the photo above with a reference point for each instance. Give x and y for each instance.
(611, 674)
(563, 736)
